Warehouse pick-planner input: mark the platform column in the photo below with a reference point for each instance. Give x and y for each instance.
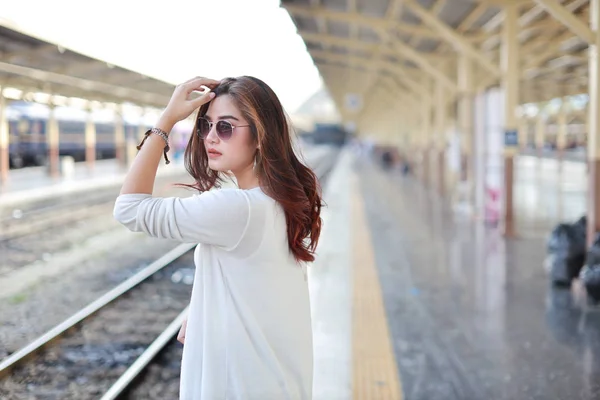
(4, 140)
(465, 124)
(141, 130)
(510, 84)
(523, 132)
(120, 153)
(131, 142)
(561, 136)
(413, 144)
(425, 139)
(440, 127)
(141, 127)
(90, 138)
(53, 141)
(540, 133)
(593, 144)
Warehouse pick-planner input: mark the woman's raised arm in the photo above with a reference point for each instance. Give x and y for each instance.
(141, 175)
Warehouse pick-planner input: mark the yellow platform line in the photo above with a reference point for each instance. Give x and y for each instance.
(375, 373)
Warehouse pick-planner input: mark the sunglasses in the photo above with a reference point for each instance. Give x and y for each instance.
(224, 128)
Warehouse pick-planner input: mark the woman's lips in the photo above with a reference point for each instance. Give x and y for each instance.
(213, 154)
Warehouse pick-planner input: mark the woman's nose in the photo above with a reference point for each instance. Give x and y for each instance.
(212, 133)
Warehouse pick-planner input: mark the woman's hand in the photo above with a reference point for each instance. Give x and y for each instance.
(181, 334)
(181, 106)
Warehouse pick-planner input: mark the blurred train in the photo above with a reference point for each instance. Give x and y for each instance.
(27, 128)
(333, 134)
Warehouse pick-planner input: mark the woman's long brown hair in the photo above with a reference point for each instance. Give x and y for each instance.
(281, 175)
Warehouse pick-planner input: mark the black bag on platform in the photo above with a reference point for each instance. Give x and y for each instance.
(566, 252)
(590, 274)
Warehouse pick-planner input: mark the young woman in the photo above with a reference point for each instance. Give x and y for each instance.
(248, 334)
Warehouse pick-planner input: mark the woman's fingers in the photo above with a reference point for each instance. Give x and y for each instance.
(204, 98)
(204, 85)
(181, 334)
(197, 83)
(196, 78)
(181, 106)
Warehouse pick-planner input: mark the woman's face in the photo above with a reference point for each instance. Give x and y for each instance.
(235, 153)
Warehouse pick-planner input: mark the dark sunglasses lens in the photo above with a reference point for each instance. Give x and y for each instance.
(203, 127)
(224, 129)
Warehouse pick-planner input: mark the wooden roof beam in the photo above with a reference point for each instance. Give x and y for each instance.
(469, 20)
(435, 10)
(393, 10)
(525, 21)
(360, 19)
(565, 16)
(379, 26)
(414, 88)
(85, 84)
(551, 49)
(79, 68)
(386, 65)
(453, 37)
(472, 17)
(389, 17)
(421, 61)
(351, 7)
(321, 22)
(28, 52)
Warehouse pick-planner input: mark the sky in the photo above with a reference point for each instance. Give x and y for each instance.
(176, 40)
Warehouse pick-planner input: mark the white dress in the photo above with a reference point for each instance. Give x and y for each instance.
(249, 330)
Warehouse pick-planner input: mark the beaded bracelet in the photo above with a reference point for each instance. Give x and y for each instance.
(163, 135)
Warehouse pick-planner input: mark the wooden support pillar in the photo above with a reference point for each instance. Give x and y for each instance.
(540, 133)
(510, 84)
(465, 121)
(53, 142)
(141, 128)
(593, 145)
(561, 136)
(440, 139)
(400, 131)
(131, 142)
(425, 141)
(523, 132)
(413, 145)
(4, 140)
(90, 139)
(120, 154)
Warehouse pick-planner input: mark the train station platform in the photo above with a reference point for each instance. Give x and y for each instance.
(414, 301)
(34, 183)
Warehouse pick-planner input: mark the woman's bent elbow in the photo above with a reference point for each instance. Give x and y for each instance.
(124, 218)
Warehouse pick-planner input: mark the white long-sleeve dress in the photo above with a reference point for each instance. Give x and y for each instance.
(249, 330)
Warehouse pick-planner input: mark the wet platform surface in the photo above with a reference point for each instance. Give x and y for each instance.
(472, 316)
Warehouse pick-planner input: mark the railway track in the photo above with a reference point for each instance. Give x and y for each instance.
(82, 356)
(102, 350)
(45, 228)
(34, 221)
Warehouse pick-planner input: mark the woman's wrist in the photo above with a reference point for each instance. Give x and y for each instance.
(165, 123)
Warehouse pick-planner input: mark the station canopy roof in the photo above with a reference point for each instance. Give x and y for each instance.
(361, 44)
(33, 64)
